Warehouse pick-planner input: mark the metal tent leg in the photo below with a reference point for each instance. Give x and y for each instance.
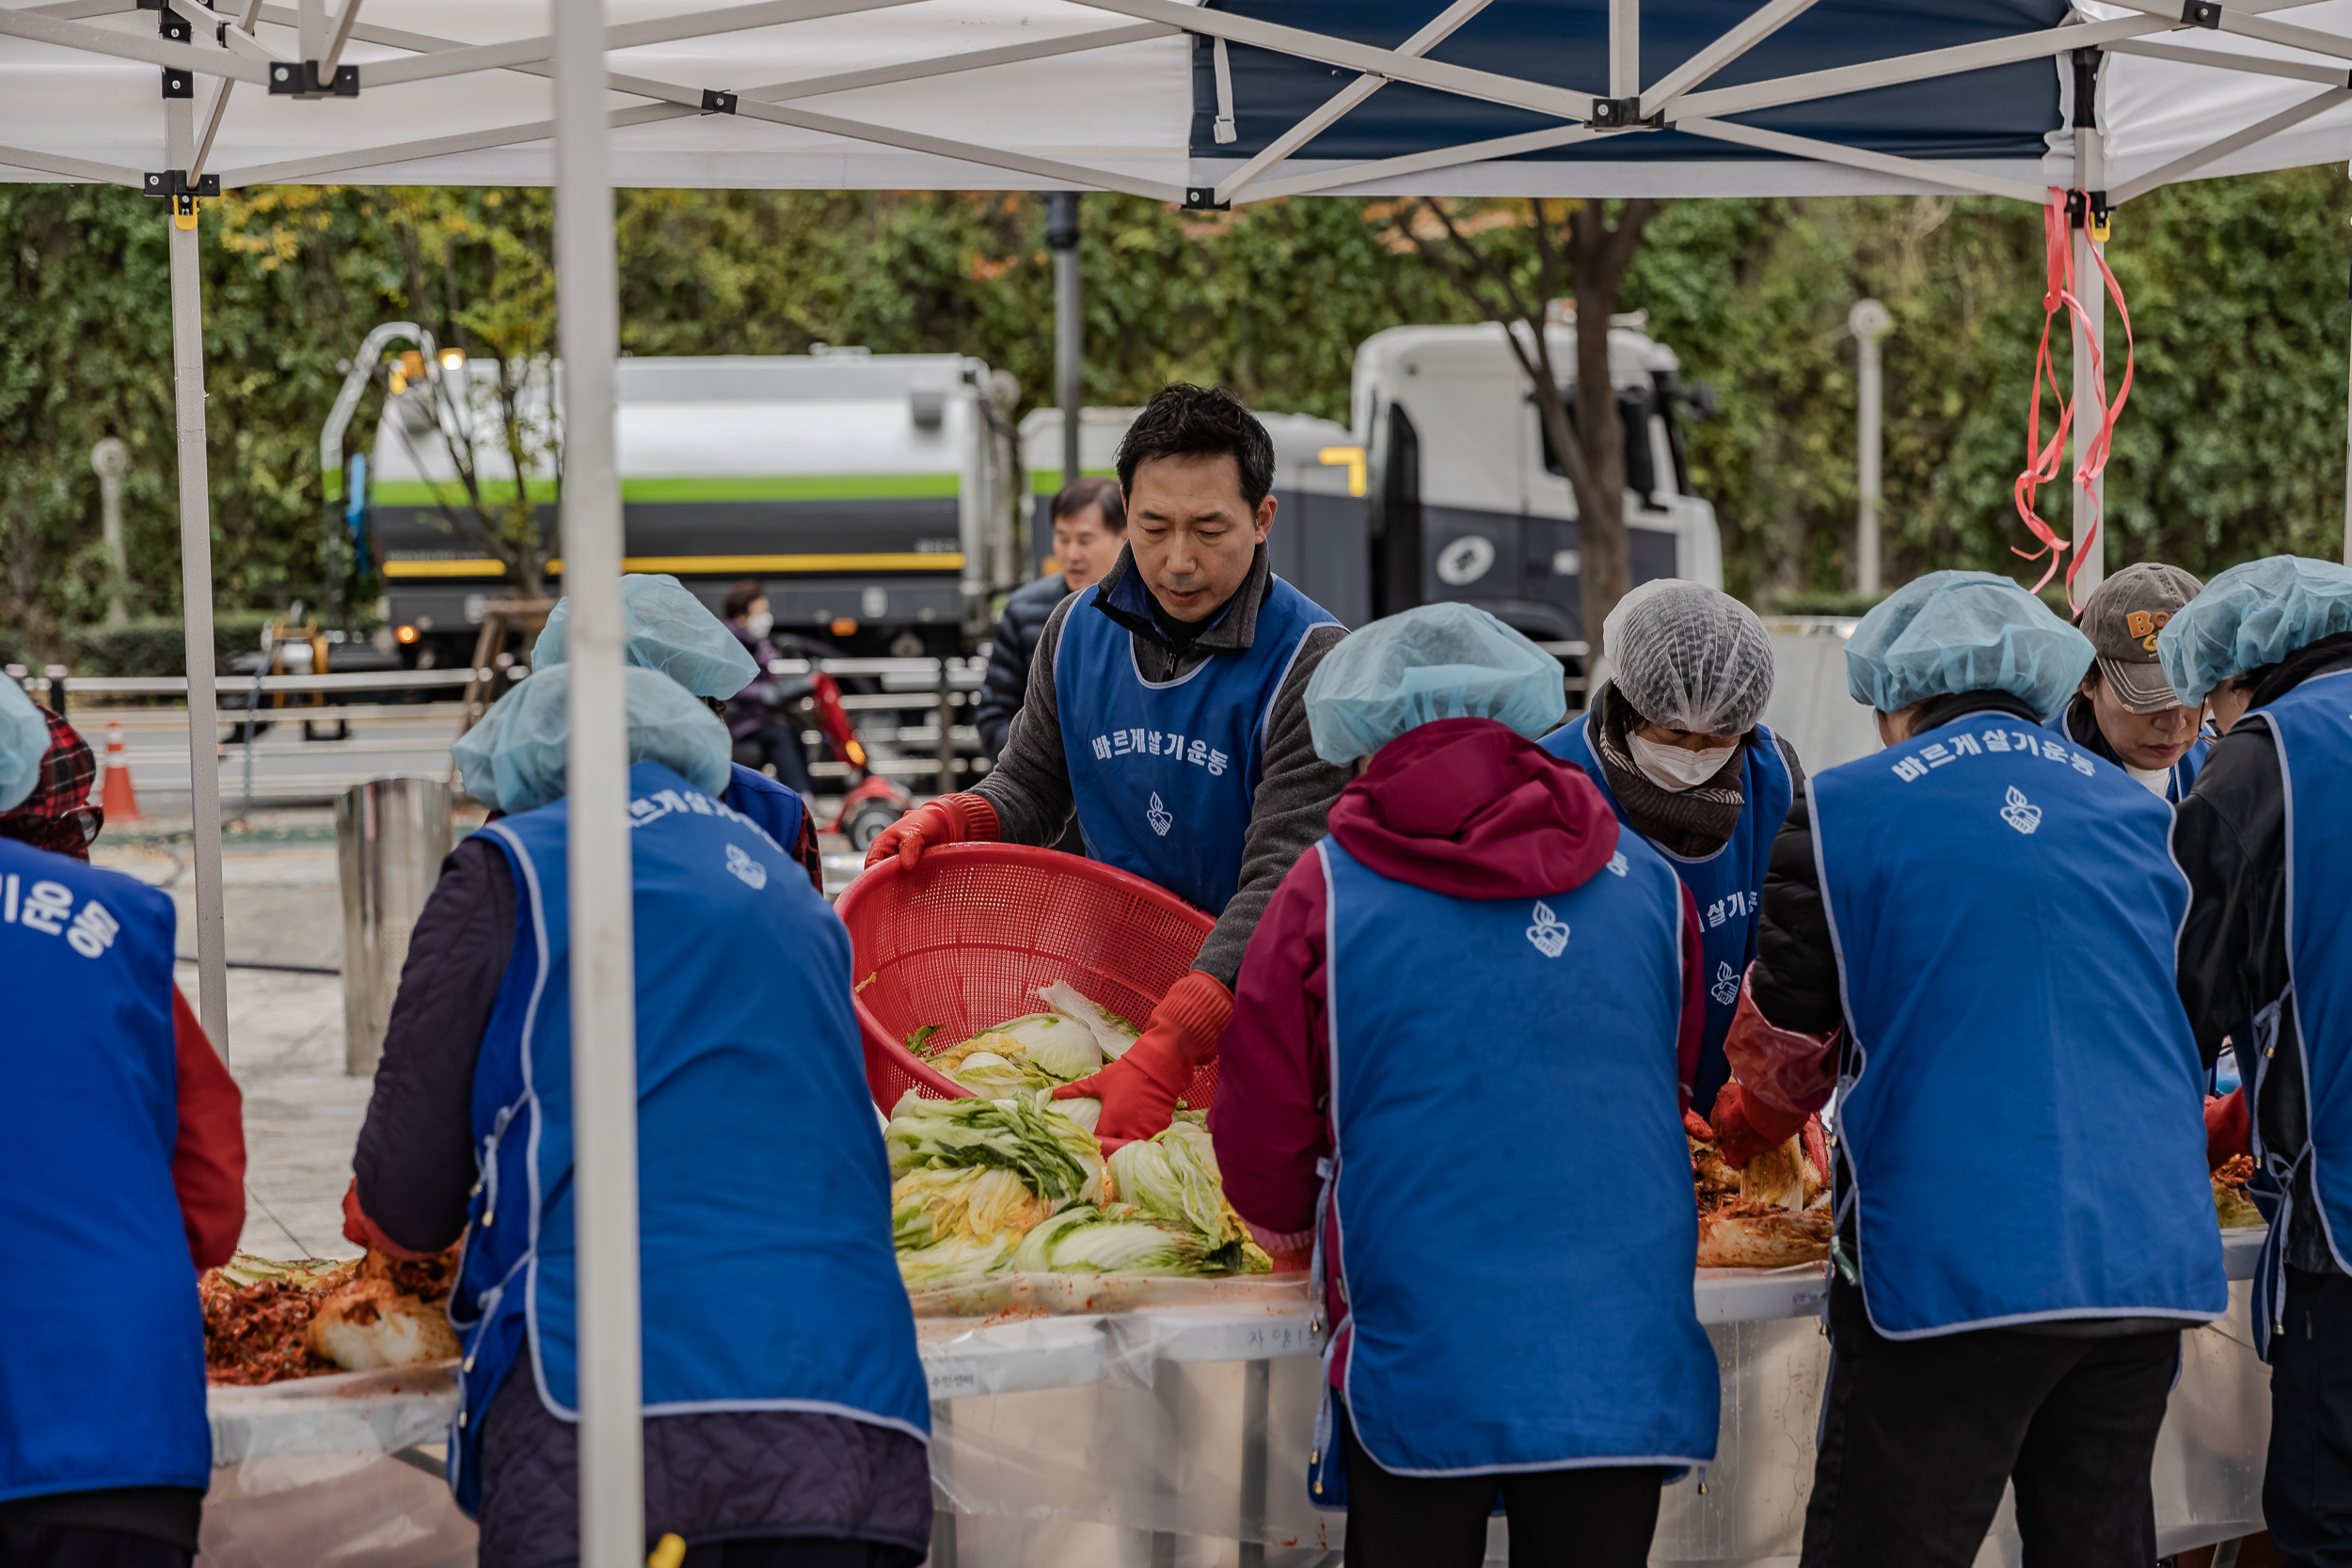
(195, 585)
(1256, 1379)
(604, 1011)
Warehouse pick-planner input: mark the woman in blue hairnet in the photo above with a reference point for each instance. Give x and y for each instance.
(786, 1409)
(672, 631)
(2024, 1221)
(1672, 739)
(2266, 839)
(1476, 984)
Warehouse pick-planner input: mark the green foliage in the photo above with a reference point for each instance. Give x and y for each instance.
(2233, 444)
(158, 647)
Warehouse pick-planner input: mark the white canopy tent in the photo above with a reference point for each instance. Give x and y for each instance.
(1156, 98)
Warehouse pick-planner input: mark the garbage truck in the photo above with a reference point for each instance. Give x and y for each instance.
(1446, 486)
(870, 494)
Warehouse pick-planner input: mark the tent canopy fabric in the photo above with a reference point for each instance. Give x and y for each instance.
(1385, 97)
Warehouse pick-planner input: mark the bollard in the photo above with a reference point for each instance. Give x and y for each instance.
(390, 835)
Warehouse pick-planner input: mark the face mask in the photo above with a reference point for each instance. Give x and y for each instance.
(758, 623)
(1673, 769)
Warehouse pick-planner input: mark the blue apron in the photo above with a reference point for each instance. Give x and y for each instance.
(2015, 1156)
(776, 810)
(1164, 773)
(1498, 1322)
(2181, 777)
(1727, 885)
(2313, 726)
(767, 1277)
(102, 1337)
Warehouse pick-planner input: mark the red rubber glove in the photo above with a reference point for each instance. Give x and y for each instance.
(950, 819)
(2227, 1128)
(360, 1230)
(1695, 1126)
(1139, 1090)
(1746, 1126)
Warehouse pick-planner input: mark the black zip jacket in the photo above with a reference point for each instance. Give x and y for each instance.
(2230, 836)
(1027, 610)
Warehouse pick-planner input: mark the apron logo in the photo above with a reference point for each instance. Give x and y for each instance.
(2021, 813)
(1157, 815)
(1725, 990)
(753, 874)
(1548, 935)
(1617, 863)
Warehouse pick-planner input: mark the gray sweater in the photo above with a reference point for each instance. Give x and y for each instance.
(1029, 786)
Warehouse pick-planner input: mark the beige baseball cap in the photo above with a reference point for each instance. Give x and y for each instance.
(2121, 618)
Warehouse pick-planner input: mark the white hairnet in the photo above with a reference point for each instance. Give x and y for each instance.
(24, 741)
(1439, 662)
(2251, 615)
(1689, 657)
(1963, 631)
(669, 631)
(514, 759)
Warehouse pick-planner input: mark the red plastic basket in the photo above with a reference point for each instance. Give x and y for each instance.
(965, 940)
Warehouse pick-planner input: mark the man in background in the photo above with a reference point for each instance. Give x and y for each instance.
(1089, 525)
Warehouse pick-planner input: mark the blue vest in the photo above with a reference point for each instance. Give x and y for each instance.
(2180, 777)
(766, 1272)
(2016, 1154)
(102, 1337)
(1727, 885)
(1545, 1330)
(2313, 726)
(1164, 773)
(776, 810)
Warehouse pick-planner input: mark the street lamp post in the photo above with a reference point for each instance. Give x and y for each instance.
(1869, 321)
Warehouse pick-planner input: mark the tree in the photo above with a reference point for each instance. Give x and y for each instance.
(1575, 245)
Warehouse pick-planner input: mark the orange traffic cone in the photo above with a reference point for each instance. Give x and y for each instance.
(119, 800)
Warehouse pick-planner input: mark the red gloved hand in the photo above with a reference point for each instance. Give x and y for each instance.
(1695, 1126)
(1139, 1091)
(1746, 1126)
(2226, 1128)
(950, 819)
(360, 1230)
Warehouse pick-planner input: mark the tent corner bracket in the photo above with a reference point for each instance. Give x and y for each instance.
(301, 79)
(716, 103)
(1202, 199)
(1623, 114)
(2203, 13)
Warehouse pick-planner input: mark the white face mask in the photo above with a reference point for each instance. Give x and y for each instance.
(758, 623)
(1671, 767)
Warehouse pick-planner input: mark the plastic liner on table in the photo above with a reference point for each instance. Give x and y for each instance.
(1012, 1294)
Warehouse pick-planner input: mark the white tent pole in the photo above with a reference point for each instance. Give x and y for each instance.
(195, 586)
(1625, 48)
(603, 978)
(2091, 333)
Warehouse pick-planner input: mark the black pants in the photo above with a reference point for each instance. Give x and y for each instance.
(2307, 1492)
(804, 1551)
(1589, 1518)
(1919, 1434)
(28, 1545)
(778, 743)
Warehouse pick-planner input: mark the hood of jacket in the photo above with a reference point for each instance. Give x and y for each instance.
(1470, 807)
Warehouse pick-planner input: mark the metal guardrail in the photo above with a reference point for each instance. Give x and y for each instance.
(921, 674)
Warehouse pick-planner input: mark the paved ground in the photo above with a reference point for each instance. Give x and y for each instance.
(285, 1045)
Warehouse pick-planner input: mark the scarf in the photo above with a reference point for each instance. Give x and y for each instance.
(1693, 823)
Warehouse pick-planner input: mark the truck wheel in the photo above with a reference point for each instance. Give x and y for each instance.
(866, 823)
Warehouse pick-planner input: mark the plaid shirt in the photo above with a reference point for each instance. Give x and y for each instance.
(58, 815)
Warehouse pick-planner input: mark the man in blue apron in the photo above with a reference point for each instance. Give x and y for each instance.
(675, 633)
(2125, 711)
(786, 1411)
(1672, 743)
(121, 1175)
(2023, 1221)
(1476, 894)
(2266, 839)
(1166, 712)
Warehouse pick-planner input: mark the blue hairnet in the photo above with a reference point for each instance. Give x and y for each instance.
(1439, 662)
(669, 631)
(2251, 615)
(1963, 631)
(24, 741)
(514, 759)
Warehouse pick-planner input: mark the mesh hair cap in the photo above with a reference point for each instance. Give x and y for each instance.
(1689, 657)
(668, 629)
(1436, 661)
(24, 741)
(2253, 614)
(516, 758)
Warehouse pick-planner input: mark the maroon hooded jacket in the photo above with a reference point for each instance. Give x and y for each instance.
(1461, 806)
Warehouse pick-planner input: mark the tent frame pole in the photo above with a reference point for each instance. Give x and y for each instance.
(195, 585)
(602, 950)
(2090, 332)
